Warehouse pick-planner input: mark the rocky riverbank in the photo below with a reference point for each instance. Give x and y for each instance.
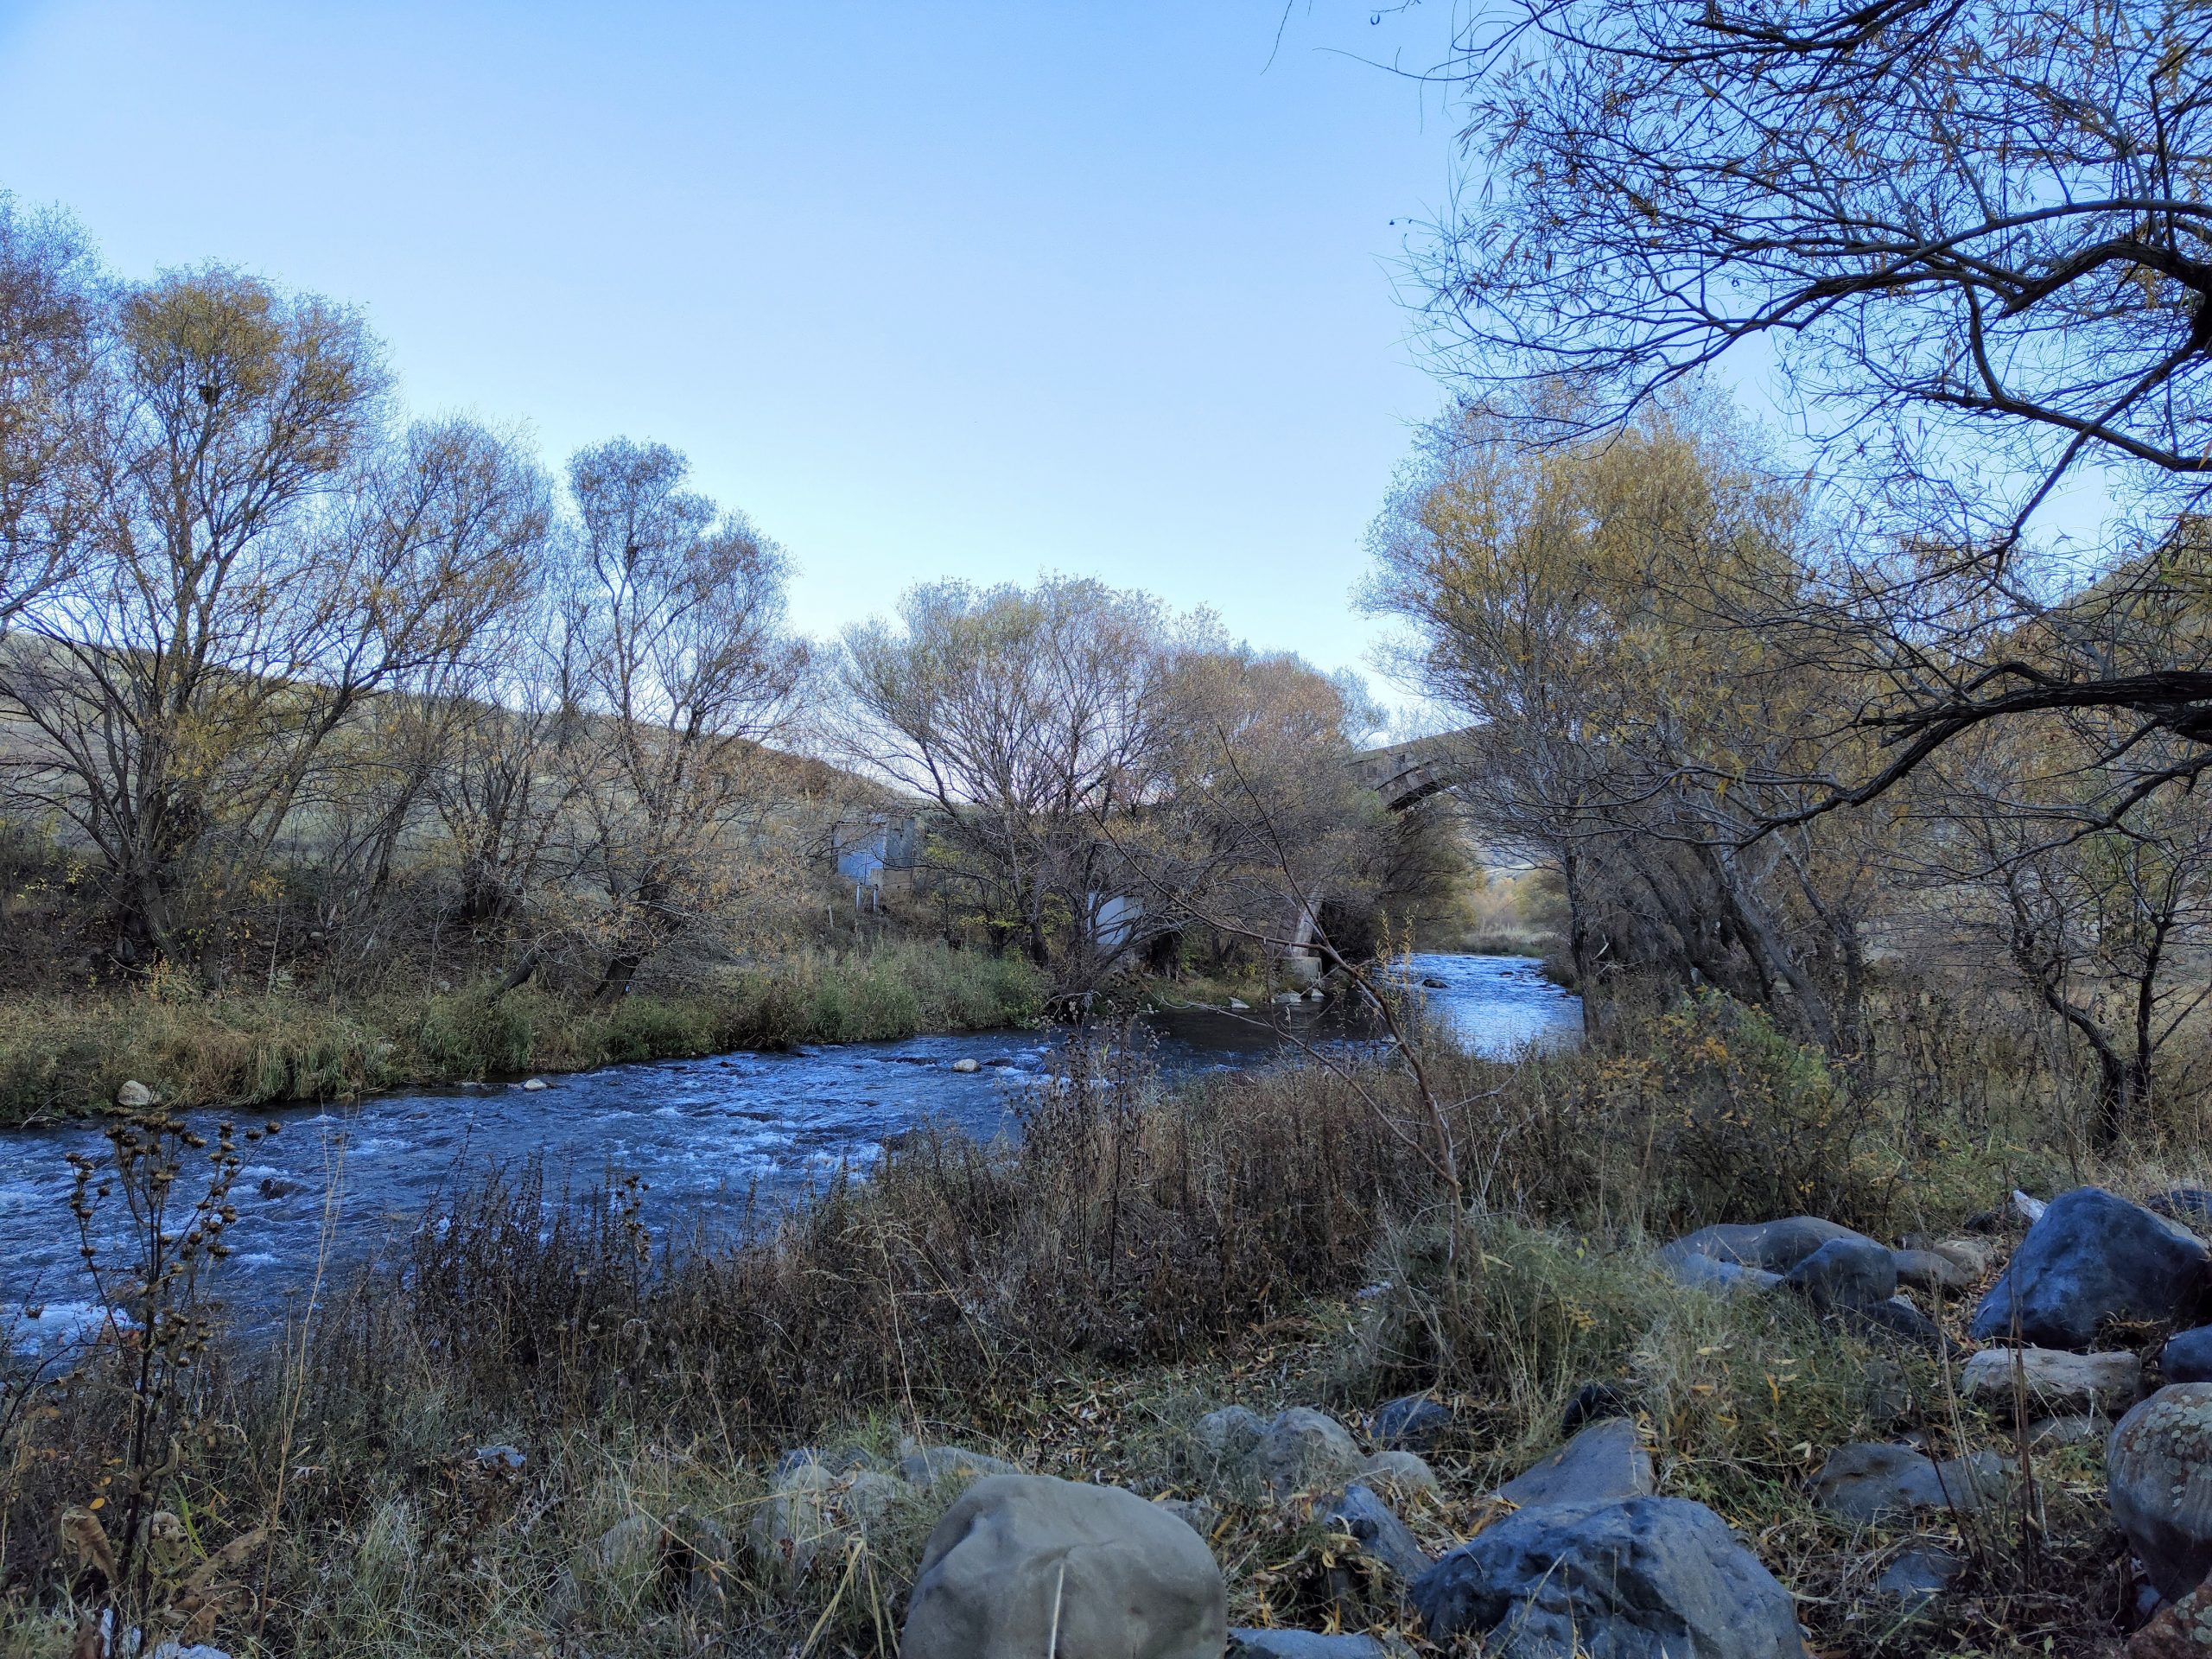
(1341, 1413)
(2070, 1444)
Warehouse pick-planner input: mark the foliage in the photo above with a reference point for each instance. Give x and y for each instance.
(1106, 774)
(1072, 1302)
(1573, 606)
(59, 1058)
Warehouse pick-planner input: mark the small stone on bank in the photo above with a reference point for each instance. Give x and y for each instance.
(1605, 1461)
(1411, 1424)
(1878, 1483)
(1375, 1527)
(1919, 1574)
(2054, 1382)
(1846, 1273)
(1302, 1644)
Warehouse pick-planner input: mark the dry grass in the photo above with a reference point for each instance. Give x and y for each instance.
(1073, 1303)
(62, 1056)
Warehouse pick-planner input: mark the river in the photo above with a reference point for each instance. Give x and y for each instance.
(709, 1138)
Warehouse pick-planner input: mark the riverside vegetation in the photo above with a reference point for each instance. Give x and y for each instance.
(66, 1056)
(544, 1427)
(340, 750)
(1866, 806)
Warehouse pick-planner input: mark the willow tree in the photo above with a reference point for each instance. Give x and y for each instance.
(682, 668)
(259, 555)
(1570, 605)
(50, 313)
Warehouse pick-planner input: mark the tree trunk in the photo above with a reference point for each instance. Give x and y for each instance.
(1578, 938)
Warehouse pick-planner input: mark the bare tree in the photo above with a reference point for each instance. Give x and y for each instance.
(684, 669)
(2106, 924)
(1972, 235)
(49, 356)
(1025, 716)
(258, 564)
(1074, 741)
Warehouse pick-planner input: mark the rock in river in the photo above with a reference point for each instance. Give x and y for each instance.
(1024, 1565)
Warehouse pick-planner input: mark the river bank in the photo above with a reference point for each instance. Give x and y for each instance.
(64, 1057)
(538, 1428)
(717, 1143)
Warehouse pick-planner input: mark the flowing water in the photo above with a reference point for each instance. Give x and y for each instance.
(712, 1139)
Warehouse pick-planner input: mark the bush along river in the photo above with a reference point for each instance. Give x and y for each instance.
(714, 1141)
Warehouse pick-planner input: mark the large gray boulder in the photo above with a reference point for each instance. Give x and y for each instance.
(1651, 1578)
(2091, 1260)
(1605, 1461)
(1024, 1565)
(2158, 1475)
(1885, 1483)
(2054, 1382)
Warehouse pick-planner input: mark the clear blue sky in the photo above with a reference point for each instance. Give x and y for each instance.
(927, 290)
